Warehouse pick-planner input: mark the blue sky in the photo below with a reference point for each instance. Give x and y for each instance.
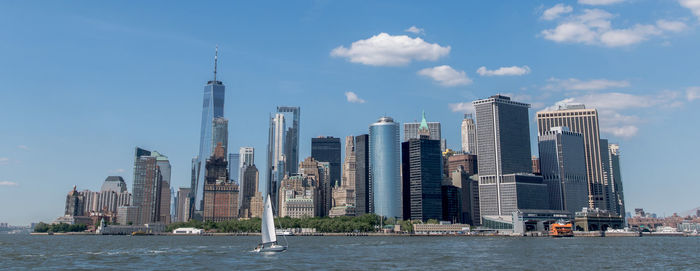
(82, 83)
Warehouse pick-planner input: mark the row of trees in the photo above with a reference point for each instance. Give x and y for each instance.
(62, 227)
(364, 223)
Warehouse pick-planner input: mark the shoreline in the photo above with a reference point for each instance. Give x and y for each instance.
(576, 234)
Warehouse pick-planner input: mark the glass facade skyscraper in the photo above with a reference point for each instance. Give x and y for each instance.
(422, 179)
(327, 149)
(363, 187)
(212, 107)
(385, 160)
(581, 120)
(563, 167)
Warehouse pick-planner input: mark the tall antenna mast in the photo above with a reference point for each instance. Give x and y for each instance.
(216, 58)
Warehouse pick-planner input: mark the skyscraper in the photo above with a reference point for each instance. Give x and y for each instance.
(411, 130)
(467, 162)
(583, 121)
(213, 107)
(468, 134)
(164, 167)
(344, 194)
(183, 204)
(422, 179)
(75, 203)
(608, 186)
(327, 149)
(220, 194)
(363, 186)
(282, 150)
(234, 166)
(291, 140)
(248, 189)
(503, 141)
(563, 167)
(112, 195)
(275, 159)
(384, 172)
(317, 174)
(617, 178)
(220, 133)
(151, 175)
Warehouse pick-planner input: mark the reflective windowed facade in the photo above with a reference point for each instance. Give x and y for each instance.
(385, 159)
(212, 107)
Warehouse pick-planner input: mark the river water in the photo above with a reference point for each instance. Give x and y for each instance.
(349, 253)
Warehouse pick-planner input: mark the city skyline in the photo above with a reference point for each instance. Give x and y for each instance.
(79, 105)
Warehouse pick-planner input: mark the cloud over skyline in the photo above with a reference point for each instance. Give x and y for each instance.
(599, 2)
(351, 97)
(504, 71)
(556, 11)
(446, 76)
(614, 108)
(578, 84)
(415, 30)
(463, 107)
(594, 27)
(387, 50)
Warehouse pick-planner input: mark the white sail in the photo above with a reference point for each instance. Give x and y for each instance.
(268, 223)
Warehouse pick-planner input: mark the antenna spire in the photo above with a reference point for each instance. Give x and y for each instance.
(216, 58)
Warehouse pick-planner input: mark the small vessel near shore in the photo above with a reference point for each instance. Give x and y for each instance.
(268, 232)
(561, 229)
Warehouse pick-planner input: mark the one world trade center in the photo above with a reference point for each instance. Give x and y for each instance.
(212, 108)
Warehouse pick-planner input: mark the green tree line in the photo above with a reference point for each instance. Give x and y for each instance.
(364, 223)
(62, 227)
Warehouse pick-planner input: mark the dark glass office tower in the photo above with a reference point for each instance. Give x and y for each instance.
(363, 188)
(212, 107)
(422, 179)
(563, 167)
(327, 149)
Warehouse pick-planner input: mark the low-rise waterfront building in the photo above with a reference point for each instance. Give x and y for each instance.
(440, 228)
(597, 220)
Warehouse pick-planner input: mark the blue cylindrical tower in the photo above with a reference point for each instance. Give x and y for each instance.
(384, 172)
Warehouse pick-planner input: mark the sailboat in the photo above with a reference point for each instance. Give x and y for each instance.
(267, 230)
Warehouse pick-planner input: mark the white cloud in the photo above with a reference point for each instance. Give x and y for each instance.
(624, 131)
(692, 93)
(388, 50)
(353, 98)
(4, 160)
(594, 27)
(556, 11)
(693, 5)
(504, 71)
(599, 2)
(23, 147)
(673, 26)
(415, 30)
(119, 170)
(629, 36)
(446, 76)
(577, 84)
(615, 109)
(7, 183)
(465, 107)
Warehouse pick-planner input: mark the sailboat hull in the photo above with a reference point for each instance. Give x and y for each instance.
(273, 248)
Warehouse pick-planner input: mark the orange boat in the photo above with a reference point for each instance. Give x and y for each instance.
(561, 229)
